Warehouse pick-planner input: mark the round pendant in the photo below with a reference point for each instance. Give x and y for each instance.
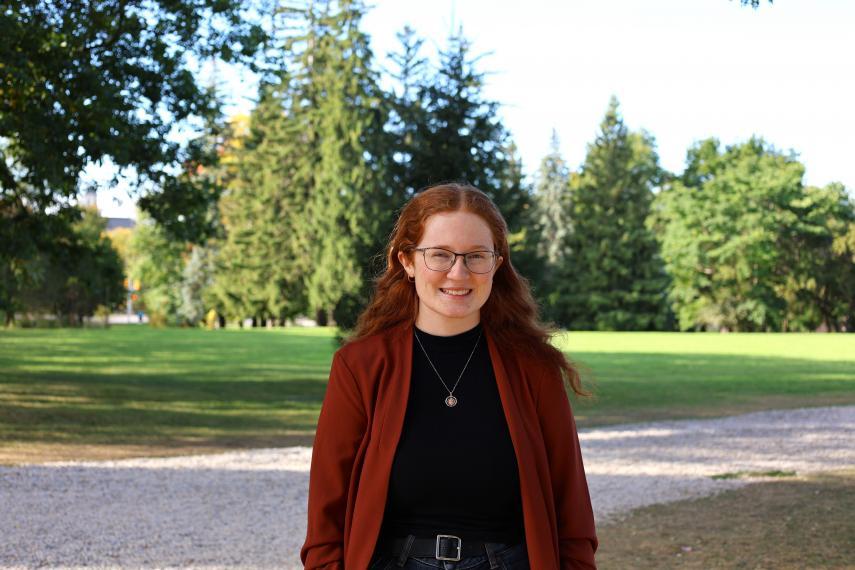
(451, 401)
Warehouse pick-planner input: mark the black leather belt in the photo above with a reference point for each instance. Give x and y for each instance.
(443, 547)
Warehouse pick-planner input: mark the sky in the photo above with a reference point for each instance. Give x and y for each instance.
(682, 70)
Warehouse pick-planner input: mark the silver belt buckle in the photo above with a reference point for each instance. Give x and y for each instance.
(459, 547)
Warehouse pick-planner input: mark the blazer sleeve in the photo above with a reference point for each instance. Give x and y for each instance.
(577, 540)
(341, 427)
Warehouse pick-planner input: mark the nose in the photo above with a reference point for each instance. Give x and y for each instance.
(459, 269)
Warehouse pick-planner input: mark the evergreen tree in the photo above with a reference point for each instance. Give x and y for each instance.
(407, 110)
(197, 278)
(341, 112)
(449, 131)
(613, 278)
(550, 224)
(259, 266)
(349, 205)
(552, 195)
(514, 193)
(310, 202)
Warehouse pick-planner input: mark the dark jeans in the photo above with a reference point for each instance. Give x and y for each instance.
(507, 558)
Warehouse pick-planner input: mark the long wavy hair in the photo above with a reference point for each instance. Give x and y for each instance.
(510, 313)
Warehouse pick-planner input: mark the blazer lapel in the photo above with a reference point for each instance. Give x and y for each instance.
(509, 403)
(397, 385)
(522, 440)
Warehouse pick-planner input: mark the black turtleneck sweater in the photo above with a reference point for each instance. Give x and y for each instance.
(455, 471)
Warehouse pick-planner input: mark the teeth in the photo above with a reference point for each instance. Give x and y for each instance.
(455, 291)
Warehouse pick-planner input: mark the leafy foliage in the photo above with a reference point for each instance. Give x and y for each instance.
(749, 248)
(87, 80)
(80, 272)
(157, 262)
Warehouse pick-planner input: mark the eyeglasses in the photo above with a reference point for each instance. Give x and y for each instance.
(439, 259)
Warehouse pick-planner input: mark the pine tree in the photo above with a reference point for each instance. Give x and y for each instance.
(518, 209)
(449, 131)
(196, 279)
(408, 110)
(512, 194)
(346, 198)
(613, 278)
(260, 266)
(552, 194)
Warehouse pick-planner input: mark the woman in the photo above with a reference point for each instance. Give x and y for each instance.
(446, 438)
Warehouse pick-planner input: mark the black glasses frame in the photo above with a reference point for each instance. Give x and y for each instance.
(456, 255)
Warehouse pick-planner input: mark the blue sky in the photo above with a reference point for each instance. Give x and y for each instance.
(684, 70)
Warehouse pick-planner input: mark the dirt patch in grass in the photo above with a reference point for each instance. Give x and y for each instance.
(16, 453)
(783, 523)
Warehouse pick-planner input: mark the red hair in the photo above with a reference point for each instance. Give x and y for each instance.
(510, 313)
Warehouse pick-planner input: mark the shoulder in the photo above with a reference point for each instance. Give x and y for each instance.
(368, 351)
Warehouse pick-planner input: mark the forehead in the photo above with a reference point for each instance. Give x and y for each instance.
(458, 229)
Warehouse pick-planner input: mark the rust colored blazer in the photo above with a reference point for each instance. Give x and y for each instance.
(358, 431)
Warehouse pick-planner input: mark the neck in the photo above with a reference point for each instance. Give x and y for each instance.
(446, 327)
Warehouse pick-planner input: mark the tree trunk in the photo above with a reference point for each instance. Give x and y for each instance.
(321, 317)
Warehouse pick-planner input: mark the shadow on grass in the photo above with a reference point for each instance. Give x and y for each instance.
(143, 385)
(129, 409)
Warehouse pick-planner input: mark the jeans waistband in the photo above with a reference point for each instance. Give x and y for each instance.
(441, 547)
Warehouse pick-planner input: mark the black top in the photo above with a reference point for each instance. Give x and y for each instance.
(455, 471)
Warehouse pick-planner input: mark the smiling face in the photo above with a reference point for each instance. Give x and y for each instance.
(450, 301)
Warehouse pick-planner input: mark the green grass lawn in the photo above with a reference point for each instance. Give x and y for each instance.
(644, 376)
(179, 388)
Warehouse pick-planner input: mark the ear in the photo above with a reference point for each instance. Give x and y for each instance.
(498, 264)
(408, 265)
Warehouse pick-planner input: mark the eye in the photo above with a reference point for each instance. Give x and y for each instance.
(439, 255)
(477, 256)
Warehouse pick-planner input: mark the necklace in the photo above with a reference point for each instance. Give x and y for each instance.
(450, 401)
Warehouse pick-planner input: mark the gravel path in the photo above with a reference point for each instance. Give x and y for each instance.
(248, 508)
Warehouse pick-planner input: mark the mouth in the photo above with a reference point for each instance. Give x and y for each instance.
(456, 292)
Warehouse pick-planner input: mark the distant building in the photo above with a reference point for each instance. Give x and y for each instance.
(90, 200)
(114, 223)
